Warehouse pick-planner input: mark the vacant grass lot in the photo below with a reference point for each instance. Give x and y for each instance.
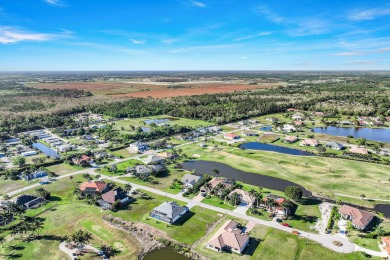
(323, 176)
(218, 202)
(63, 168)
(306, 215)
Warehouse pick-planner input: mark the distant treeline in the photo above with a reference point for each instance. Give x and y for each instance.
(346, 98)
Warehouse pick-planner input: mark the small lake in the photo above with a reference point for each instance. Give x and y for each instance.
(202, 167)
(274, 148)
(157, 121)
(375, 134)
(46, 150)
(266, 128)
(164, 253)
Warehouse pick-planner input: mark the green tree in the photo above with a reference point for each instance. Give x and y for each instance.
(293, 192)
(20, 161)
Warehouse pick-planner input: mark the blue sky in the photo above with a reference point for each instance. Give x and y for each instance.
(194, 35)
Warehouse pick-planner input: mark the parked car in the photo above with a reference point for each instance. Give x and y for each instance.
(285, 224)
(279, 220)
(295, 232)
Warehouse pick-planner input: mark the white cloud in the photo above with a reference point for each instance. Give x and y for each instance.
(54, 2)
(14, 35)
(252, 36)
(198, 4)
(368, 14)
(296, 26)
(346, 54)
(363, 62)
(169, 41)
(134, 41)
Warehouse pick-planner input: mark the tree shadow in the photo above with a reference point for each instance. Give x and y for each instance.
(55, 198)
(307, 219)
(309, 201)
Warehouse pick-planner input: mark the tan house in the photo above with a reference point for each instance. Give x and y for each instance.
(165, 155)
(290, 139)
(309, 142)
(229, 238)
(359, 218)
(359, 150)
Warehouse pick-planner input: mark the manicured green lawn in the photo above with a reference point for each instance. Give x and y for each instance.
(306, 215)
(121, 168)
(123, 153)
(216, 201)
(281, 245)
(63, 168)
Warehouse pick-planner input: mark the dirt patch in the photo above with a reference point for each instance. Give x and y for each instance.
(144, 90)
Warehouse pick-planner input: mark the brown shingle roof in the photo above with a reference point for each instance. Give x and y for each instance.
(230, 236)
(359, 217)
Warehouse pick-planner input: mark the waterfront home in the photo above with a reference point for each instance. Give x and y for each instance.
(290, 139)
(345, 123)
(232, 136)
(189, 180)
(168, 212)
(110, 197)
(29, 201)
(276, 205)
(359, 150)
(309, 142)
(213, 183)
(359, 218)
(230, 237)
(377, 123)
(249, 133)
(244, 196)
(93, 187)
(334, 145)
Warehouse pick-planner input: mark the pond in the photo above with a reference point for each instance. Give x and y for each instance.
(274, 148)
(157, 121)
(266, 128)
(227, 171)
(164, 253)
(374, 134)
(46, 150)
(384, 208)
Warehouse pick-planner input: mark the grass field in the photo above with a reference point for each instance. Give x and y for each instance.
(306, 215)
(63, 168)
(216, 201)
(322, 176)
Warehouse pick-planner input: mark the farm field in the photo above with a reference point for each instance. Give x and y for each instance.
(150, 89)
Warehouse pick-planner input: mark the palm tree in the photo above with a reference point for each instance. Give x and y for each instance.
(37, 225)
(128, 187)
(215, 172)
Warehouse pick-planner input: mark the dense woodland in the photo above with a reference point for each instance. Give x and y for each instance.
(25, 108)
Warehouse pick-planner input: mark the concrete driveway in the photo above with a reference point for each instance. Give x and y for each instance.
(242, 208)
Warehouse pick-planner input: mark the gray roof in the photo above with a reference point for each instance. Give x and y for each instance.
(170, 209)
(335, 145)
(153, 159)
(191, 179)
